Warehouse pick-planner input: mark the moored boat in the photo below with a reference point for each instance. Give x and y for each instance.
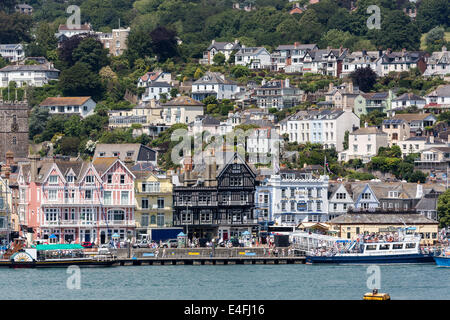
(443, 260)
(404, 248)
(57, 255)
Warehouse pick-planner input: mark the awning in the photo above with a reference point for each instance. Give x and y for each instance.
(61, 246)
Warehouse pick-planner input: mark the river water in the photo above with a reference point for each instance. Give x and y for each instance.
(227, 282)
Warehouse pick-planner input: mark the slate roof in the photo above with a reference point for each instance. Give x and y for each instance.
(408, 97)
(182, 101)
(382, 218)
(213, 78)
(441, 91)
(26, 68)
(368, 130)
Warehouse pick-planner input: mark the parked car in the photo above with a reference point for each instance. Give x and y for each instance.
(171, 243)
(141, 244)
(87, 244)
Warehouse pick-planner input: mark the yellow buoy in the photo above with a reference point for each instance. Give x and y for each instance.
(376, 296)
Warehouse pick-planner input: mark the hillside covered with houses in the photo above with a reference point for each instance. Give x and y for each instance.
(357, 118)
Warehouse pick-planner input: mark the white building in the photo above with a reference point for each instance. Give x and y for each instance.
(226, 48)
(262, 144)
(339, 199)
(214, 84)
(28, 75)
(292, 197)
(82, 106)
(438, 64)
(326, 127)
(439, 98)
(364, 144)
(407, 100)
(289, 57)
(419, 144)
(400, 61)
(12, 52)
(360, 59)
(70, 31)
(253, 58)
(154, 76)
(154, 90)
(182, 109)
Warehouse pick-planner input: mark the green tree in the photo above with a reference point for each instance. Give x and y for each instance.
(443, 209)
(37, 121)
(79, 80)
(219, 59)
(91, 52)
(432, 13)
(397, 32)
(15, 28)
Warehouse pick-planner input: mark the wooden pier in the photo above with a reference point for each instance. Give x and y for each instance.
(196, 261)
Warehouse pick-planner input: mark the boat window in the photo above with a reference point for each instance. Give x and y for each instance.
(385, 246)
(371, 247)
(410, 245)
(397, 246)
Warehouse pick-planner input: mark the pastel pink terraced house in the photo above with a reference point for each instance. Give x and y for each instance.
(62, 201)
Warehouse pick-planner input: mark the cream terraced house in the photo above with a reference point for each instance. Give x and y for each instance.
(182, 109)
(153, 192)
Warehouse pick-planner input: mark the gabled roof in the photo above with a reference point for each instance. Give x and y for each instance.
(213, 78)
(221, 45)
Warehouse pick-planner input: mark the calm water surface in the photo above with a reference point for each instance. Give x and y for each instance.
(234, 282)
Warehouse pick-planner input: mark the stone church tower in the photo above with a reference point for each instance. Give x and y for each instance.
(13, 128)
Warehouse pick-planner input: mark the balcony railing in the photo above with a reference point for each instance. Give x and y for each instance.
(81, 223)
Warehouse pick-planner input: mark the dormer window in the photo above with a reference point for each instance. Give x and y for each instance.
(53, 179)
(70, 179)
(89, 179)
(393, 194)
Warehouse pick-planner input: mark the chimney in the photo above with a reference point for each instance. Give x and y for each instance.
(366, 124)
(286, 83)
(380, 53)
(213, 41)
(34, 158)
(9, 158)
(419, 191)
(330, 86)
(350, 87)
(431, 139)
(444, 48)
(296, 44)
(187, 170)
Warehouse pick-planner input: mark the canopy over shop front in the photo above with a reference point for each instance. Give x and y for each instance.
(61, 246)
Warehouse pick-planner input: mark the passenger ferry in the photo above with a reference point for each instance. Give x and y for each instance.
(404, 248)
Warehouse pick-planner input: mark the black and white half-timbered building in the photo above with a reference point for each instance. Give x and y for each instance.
(209, 205)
